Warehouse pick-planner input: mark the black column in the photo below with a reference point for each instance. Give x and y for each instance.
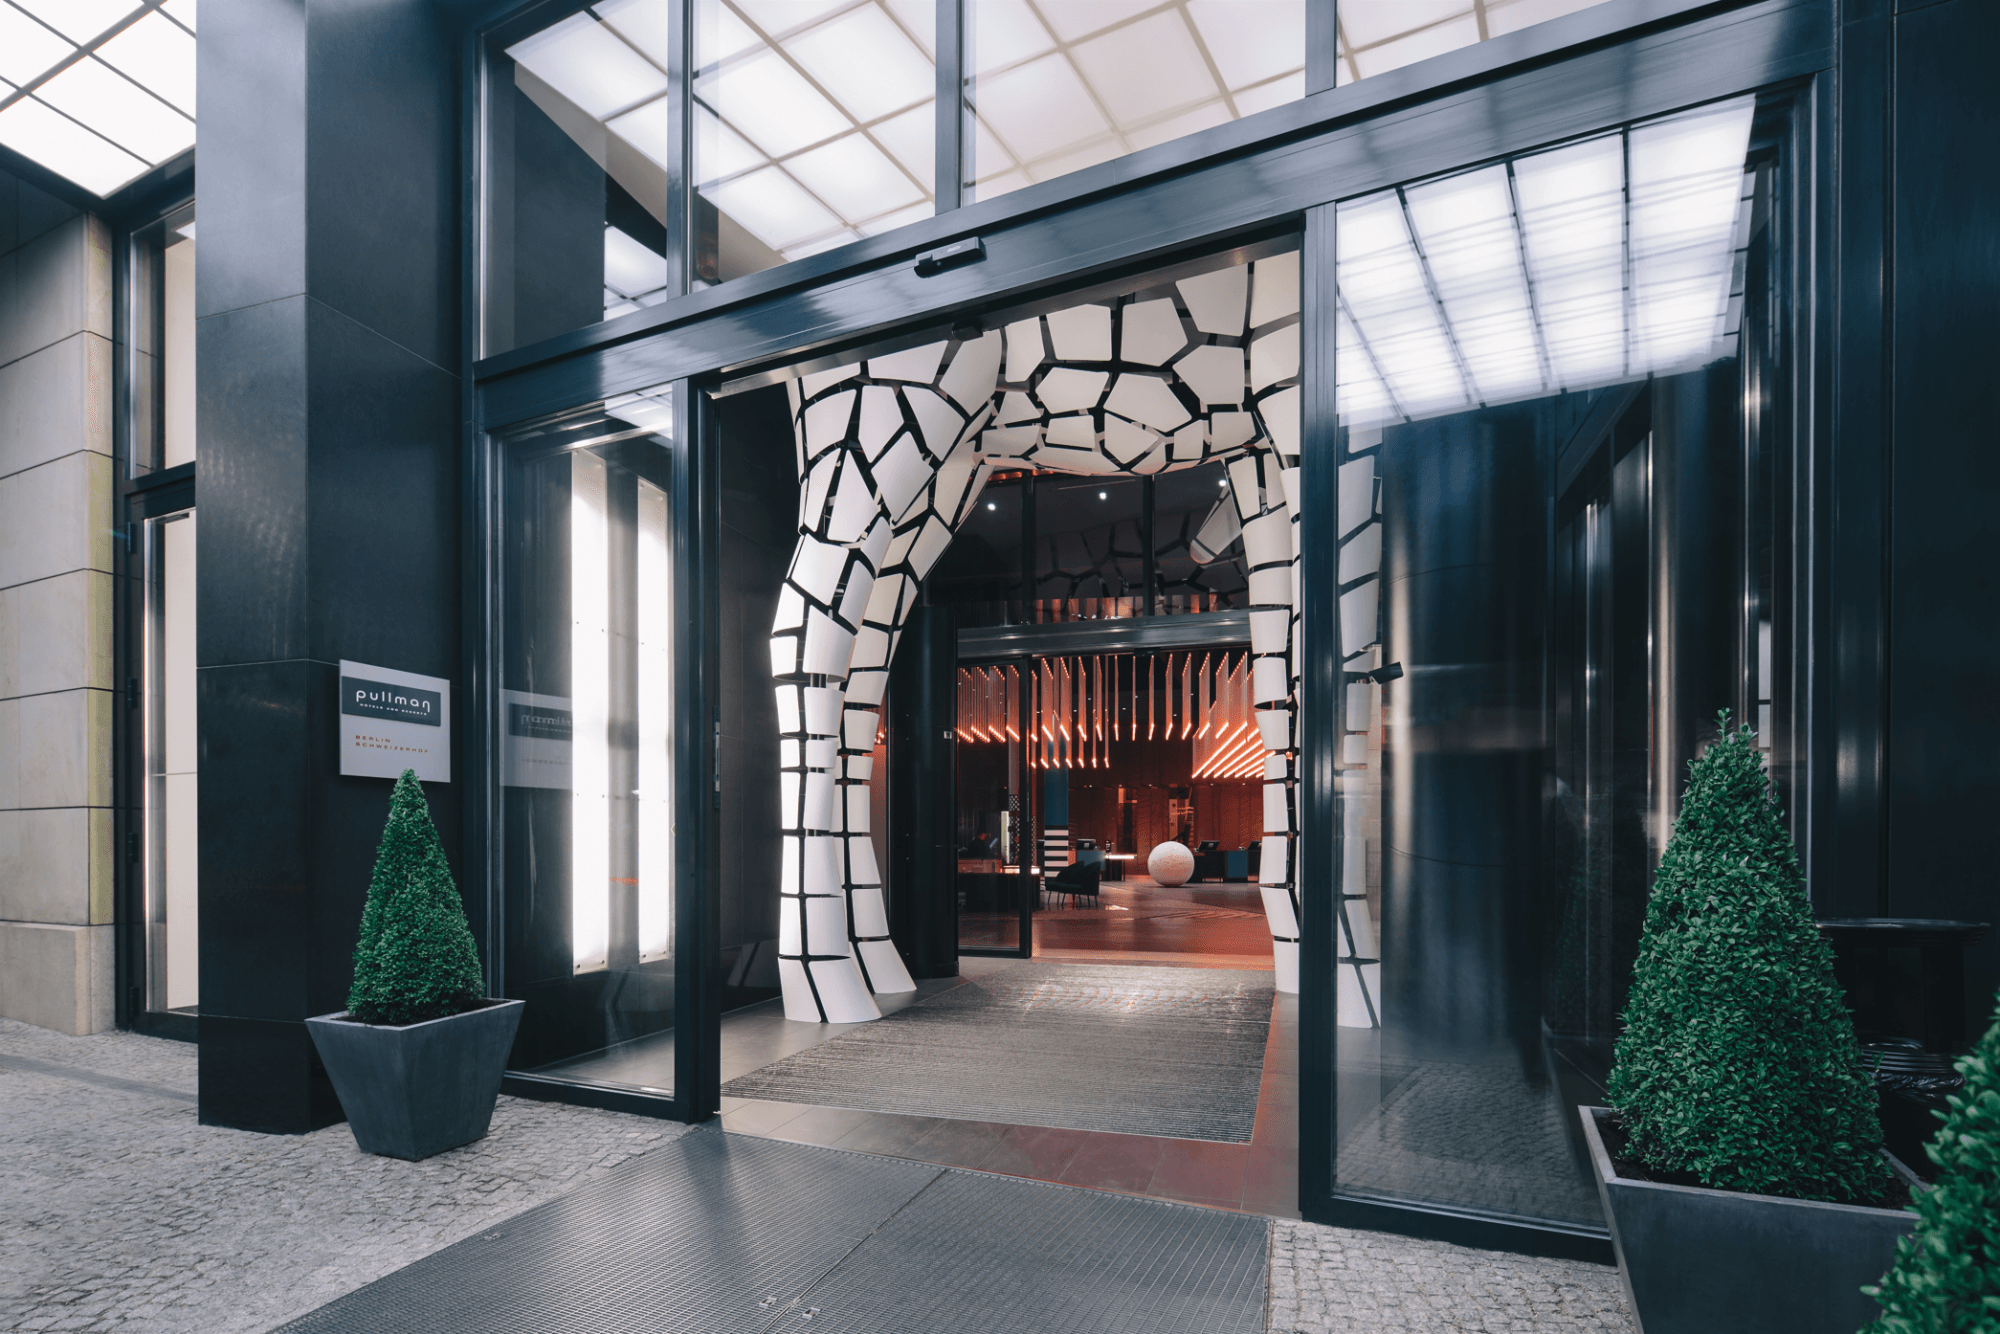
(327, 350)
(923, 867)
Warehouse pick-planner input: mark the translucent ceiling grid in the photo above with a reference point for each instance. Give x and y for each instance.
(1376, 36)
(1058, 85)
(1605, 260)
(97, 91)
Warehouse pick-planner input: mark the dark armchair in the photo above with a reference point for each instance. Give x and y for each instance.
(1078, 880)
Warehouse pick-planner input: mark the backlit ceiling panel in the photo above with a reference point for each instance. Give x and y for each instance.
(1376, 36)
(97, 91)
(1600, 261)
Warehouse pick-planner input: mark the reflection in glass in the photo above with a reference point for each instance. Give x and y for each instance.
(173, 962)
(160, 356)
(813, 126)
(577, 127)
(1525, 666)
(1057, 86)
(586, 697)
(1376, 36)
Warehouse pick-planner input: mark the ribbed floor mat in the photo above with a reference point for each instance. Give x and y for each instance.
(715, 1234)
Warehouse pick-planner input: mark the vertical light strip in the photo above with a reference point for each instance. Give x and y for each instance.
(590, 688)
(656, 702)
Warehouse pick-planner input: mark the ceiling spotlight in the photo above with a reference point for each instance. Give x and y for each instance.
(1103, 495)
(990, 505)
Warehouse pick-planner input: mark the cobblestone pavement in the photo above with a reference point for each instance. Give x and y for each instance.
(119, 1211)
(1334, 1280)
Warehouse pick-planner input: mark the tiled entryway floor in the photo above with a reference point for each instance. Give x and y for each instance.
(1260, 1177)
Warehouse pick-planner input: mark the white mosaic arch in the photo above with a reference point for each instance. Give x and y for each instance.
(893, 453)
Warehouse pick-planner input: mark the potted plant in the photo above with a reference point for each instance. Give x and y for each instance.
(1741, 1171)
(1946, 1278)
(417, 1055)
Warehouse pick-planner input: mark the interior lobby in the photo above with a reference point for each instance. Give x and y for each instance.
(1114, 594)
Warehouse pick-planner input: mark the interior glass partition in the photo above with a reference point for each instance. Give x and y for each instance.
(586, 698)
(1548, 543)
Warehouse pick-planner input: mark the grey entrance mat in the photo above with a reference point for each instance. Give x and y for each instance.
(1143, 1051)
(729, 1234)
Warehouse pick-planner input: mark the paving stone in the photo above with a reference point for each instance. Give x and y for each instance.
(1332, 1280)
(119, 1211)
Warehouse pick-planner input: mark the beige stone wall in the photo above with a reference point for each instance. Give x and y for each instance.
(56, 686)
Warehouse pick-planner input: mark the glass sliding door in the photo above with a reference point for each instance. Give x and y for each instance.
(1551, 520)
(171, 858)
(586, 745)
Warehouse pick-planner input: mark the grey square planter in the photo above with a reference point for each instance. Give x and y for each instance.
(420, 1089)
(1698, 1261)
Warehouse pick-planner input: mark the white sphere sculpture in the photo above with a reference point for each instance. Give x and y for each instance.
(1170, 864)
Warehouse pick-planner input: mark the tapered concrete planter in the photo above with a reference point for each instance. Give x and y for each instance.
(1697, 1261)
(420, 1089)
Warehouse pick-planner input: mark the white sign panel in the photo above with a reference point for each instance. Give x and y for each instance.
(534, 739)
(391, 721)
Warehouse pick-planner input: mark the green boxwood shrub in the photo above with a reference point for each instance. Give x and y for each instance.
(1946, 1278)
(416, 959)
(1738, 1063)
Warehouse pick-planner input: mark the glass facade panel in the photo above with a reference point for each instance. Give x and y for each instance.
(171, 867)
(1377, 36)
(160, 350)
(1550, 525)
(814, 125)
(586, 745)
(577, 127)
(1059, 85)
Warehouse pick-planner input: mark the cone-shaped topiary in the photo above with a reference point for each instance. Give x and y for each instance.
(416, 959)
(1946, 1278)
(1738, 1062)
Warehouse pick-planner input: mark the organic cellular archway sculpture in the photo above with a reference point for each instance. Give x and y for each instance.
(892, 454)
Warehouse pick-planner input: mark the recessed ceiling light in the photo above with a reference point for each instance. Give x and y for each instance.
(1103, 495)
(990, 505)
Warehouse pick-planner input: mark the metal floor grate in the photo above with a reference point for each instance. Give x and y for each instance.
(724, 1233)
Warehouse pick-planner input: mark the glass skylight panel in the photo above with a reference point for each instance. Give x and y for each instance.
(1068, 83)
(1003, 33)
(854, 178)
(1146, 68)
(1465, 225)
(780, 18)
(1039, 108)
(1615, 258)
(866, 63)
(99, 120)
(721, 151)
(1382, 286)
(631, 269)
(1573, 229)
(770, 103)
(1376, 36)
(27, 49)
(910, 139)
(60, 144)
(1251, 40)
(774, 208)
(1687, 179)
(79, 20)
(157, 54)
(91, 93)
(590, 65)
(647, 25)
